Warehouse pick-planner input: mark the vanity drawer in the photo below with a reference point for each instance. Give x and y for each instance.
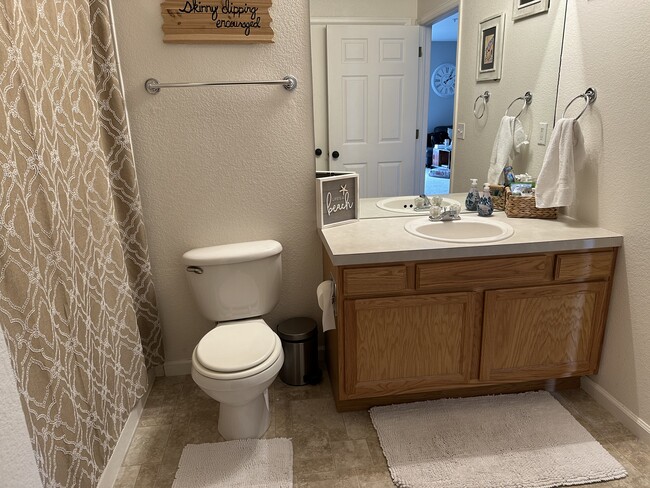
(524, 269)
(380, 279)
(584, 266)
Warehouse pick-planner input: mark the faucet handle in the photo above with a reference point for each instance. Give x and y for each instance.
(438, 213)
(435, 212)
(454, 209)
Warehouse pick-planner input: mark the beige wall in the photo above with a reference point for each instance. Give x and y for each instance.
(531, 57)
(606, 48)
(364, 8)
(429, 10)
(222, 164)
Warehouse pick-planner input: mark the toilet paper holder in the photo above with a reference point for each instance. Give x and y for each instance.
(333, 297)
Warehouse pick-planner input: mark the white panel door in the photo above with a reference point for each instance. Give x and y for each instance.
(372, 81)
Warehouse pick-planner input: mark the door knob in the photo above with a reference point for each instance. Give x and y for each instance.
(335, 154)
(318, 151)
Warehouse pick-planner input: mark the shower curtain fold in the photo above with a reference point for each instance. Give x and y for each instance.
(77, 304)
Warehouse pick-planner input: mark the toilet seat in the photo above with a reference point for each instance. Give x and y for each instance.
(237, 350)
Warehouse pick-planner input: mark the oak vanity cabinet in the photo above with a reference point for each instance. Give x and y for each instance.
(416, 330)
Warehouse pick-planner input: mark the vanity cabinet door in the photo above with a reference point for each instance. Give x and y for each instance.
(542, 332)
(408, 344)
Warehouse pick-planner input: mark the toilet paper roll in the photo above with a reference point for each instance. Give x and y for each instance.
(324, 294)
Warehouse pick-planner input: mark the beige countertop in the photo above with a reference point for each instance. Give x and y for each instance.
(379, 237)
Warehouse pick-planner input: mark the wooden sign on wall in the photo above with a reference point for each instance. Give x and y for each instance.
(216, 21)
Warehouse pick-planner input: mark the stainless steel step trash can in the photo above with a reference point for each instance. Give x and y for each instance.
(299, 338)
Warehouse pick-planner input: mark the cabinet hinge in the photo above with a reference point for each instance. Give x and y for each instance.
(417, 133)
(419, 51)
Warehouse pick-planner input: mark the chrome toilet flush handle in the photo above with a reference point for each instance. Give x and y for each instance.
(194, 269)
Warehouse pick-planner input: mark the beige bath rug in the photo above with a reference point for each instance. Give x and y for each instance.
(526, 440)
(249, 463)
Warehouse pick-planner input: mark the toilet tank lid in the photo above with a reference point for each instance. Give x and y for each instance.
(240, 252)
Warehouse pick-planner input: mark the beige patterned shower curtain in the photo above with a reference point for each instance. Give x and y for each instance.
(77, 305)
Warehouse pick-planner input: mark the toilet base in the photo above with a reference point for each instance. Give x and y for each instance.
(249, 421)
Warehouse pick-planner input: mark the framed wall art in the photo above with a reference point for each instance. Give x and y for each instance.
(490, 48)
(526, 8)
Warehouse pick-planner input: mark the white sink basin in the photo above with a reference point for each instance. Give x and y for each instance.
(468, 229)
(405, 204)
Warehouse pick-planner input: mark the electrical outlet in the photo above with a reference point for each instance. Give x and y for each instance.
(541, 134)
(460, 131)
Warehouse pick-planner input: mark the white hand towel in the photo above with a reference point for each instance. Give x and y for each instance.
(509, 140)
(556, 184)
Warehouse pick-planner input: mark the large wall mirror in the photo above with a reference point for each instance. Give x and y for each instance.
(372, 91)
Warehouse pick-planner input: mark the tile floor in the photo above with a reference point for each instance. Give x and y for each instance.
(331, 449)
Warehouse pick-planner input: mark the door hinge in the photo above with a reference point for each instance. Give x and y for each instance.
(417, 133)
(419, 51)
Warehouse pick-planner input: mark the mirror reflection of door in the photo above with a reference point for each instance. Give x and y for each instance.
(372, 80)
(369, 86)
(440, 116)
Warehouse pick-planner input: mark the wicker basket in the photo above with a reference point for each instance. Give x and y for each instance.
(498, 195)
(524, 207)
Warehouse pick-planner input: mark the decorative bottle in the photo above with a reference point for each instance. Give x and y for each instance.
(471, 202)
(485, 206)
(508, 176)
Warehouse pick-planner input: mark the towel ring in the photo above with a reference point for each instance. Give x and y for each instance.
(527, 99)
(486, 98)
(588, 96)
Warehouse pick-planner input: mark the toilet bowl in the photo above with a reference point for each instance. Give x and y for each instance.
(239, 381)
(236, 362)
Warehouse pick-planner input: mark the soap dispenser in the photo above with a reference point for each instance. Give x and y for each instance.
(471, 202)
(485, 206)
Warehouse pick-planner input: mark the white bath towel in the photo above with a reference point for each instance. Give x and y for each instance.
(565, 154)
(509, 140)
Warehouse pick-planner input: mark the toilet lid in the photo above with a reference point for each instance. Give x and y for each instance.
(236, 347)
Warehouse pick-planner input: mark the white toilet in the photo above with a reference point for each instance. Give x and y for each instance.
(234, 363)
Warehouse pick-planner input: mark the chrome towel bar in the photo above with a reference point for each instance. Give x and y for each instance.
(153, 86)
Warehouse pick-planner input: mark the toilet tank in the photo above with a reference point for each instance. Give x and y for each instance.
(235, 281)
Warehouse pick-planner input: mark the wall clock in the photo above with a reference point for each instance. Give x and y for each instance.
(443, 80)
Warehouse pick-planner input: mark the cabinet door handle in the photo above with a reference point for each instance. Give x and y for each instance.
(335, 154)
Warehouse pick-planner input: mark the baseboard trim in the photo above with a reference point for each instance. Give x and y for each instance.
(178, 368)
(112, 469)
(629, 419)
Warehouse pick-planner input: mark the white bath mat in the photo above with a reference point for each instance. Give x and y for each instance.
(526, 440)
(249, 463)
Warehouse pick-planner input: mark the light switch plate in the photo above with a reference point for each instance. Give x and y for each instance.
(541, 134)
(460, 131)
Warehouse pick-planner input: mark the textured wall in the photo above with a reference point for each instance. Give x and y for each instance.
(531, 55)
(406, 9)
(222, 164)
(613, 187)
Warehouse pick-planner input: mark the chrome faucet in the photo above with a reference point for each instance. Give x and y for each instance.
(444, 214)
(422, 203)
